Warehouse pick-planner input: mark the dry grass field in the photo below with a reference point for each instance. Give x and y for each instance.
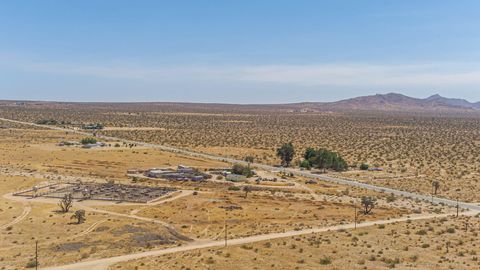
(413, 149)
(405, 245)
(199, 211)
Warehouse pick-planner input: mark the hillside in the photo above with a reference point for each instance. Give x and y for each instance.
(394, 102)
(380, 102)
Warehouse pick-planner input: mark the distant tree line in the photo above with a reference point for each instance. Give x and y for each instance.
(51, 122)
(313, 158)
(88, 140)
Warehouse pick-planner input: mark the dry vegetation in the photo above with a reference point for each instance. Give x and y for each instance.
(413, 149)
(406, 245)
(31, 157)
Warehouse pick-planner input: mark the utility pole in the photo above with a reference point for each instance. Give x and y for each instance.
(36, 254)
(457, 207)
(226, 232)
(355, 205)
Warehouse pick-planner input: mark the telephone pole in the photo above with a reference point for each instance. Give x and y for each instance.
(226, 232)
(36, 254)
(457, 207)
(355, 205)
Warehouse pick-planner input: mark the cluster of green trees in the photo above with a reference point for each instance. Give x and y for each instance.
(88, 140)
(323, 159)
(286, 153)
(242, 170)
(313, 158)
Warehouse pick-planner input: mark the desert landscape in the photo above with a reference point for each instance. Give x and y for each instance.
(134, 200)
(250, 135)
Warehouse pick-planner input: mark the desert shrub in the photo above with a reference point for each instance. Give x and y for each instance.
(31, 264)
(88, 140)
(325, 260)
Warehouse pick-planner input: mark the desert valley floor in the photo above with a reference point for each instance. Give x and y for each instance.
(205, 220)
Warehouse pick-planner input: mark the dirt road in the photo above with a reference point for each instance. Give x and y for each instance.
(102, 264)
(297, 172)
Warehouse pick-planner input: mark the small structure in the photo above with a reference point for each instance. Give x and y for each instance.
(157, 173)
(68, 143)
(135, 171)
(185, 169)
(375, 169)
(94, 145)
(197, 178)
(235, 177)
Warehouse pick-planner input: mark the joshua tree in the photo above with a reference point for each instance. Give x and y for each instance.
(79, 215)
(247, 189)
(249, 159)
(368, 204)
(435, 186)
(66, 203)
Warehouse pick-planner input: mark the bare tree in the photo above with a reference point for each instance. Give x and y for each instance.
(368, 204)
(66, 203)
(79, 215)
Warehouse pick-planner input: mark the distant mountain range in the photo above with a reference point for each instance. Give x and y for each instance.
(380, 102)
(392, 102)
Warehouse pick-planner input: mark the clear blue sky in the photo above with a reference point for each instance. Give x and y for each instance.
(244, 51)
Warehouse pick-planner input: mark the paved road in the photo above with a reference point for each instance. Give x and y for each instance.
(296, 172)
(102, 264)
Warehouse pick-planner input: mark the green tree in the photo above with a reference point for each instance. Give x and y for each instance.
(364, 167)
(309, 153)
(324, 159)
(435, 186)
(88, 140)
(368, 204)
(305, 164)
(286, 153)
(249, 159)
(247, 189)
(242, 170)
(79, 215)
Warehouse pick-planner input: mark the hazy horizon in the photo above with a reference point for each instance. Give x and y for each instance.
(160, 101)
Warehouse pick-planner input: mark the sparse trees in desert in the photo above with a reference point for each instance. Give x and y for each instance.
(79, 215)
(368, 204)
(247, 189)
(66, 203)
(435, 186)
(249, 159)
(325, 159)
(286, 153)
(88, 140)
